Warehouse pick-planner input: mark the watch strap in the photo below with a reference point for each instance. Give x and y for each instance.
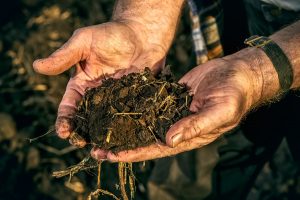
(280, 61)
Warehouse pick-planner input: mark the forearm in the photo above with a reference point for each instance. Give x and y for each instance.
(265, 78)
(155, 20)
(289, 40)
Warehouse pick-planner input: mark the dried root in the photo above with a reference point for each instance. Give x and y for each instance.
(97, 192)
(99, 175)
(85, 164)
(51, 130)
(125, 172)
(131, 180)
(122, 179)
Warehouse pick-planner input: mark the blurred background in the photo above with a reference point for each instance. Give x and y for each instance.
(31, 29)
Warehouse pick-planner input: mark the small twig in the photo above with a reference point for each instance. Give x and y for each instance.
(80, 117)
(99, 175)
(125, 174)
(178, 112)
(152, 133)
(156, 95)
(161, 89)
(128, 113)
(51, 130)
(74, 169)
(167, 99)
(99, 191)
(86, 103)
(181, 107)
(163, 117)
(109, 132)
(57, 151)
(14, 90)
(121, 179)
(131, 180)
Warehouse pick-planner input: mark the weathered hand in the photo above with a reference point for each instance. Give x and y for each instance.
(222, 94)
(111, 49)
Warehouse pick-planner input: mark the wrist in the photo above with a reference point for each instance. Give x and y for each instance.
(262, 78)
(145, 38)
(153, 21)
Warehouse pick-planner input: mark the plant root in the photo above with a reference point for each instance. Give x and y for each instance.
(97, 192)
(122, 178)
(83, 165)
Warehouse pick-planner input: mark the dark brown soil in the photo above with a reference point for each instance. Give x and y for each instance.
(134, 111)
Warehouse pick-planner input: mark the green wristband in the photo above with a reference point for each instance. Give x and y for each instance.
(280, 61)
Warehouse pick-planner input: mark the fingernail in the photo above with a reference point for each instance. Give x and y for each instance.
(63, 127)
(36, 62)
(176, 139)
(63, 134)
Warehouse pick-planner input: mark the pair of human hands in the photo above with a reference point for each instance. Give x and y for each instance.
(222, 89)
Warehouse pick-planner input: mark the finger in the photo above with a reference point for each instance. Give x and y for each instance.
(139, 154)
(199, 125)
(98, 154)
(189, 76)
(66, 110)
(63, 126)
(157, 150)
(73, 51)
(187, 81)
(68, 105)
(158, 67)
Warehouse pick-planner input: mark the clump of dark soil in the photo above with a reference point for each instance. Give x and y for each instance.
(134, 111)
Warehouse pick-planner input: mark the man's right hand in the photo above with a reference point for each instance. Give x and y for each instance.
(139, 36)
(107, 50)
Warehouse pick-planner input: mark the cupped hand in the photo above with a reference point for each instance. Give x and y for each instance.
(222, 92)
(108, 50)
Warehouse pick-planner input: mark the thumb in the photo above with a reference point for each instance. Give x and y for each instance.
(73, 51)
(201, 125)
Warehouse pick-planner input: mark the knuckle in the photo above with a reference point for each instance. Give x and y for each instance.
(81, 32)
(78, 31)
(194, 130)
(188, 135)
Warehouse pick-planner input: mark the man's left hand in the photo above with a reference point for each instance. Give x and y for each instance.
(222, 92)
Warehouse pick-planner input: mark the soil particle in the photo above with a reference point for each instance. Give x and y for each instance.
(134, 111)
